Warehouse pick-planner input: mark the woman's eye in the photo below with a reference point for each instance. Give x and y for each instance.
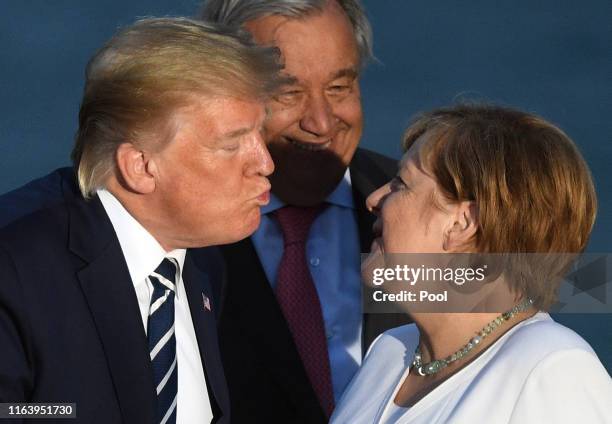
(398, 184)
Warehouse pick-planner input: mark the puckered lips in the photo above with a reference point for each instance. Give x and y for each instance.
(263, 198)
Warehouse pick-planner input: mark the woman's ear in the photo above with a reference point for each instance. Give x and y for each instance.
(462, 227)
(137, 170)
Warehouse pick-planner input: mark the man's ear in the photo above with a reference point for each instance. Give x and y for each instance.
(137, 170)
(462, 227)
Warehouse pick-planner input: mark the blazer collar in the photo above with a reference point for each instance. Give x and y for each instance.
(106, 285)
(90, 232)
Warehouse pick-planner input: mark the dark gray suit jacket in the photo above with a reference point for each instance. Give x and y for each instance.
(266, 378)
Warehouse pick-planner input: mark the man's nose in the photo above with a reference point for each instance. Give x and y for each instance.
(318, 117)
(261, 163)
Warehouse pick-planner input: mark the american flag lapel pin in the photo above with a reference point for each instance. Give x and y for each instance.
(206, 302)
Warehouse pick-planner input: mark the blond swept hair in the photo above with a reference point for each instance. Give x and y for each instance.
(532, 188)
(149, 69)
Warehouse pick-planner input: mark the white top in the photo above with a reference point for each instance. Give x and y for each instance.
(143, 254)
(538, 372)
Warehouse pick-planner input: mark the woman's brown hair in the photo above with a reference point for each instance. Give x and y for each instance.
(532, 188)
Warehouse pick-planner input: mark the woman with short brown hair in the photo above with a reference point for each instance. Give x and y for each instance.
(485, 180)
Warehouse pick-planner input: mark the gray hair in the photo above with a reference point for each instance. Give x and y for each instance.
(236, 13)
(151, 68)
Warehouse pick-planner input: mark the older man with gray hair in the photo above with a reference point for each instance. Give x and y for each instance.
(101, 305)
(292, 332)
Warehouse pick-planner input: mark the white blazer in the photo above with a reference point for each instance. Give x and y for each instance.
(538, 372)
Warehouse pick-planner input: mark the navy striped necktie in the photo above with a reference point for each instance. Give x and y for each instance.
(162, 341)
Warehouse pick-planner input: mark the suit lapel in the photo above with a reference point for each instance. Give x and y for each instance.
(253, 299)
(106, 284)
(199, 295)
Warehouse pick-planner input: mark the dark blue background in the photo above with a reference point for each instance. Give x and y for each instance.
(551, 57)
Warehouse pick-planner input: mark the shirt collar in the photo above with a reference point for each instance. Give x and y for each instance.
(142, 252)
(341, 196)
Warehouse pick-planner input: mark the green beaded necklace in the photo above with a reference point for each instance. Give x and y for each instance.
(437, 364)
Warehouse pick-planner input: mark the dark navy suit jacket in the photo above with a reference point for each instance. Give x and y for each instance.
(58, 186)
(70, 326)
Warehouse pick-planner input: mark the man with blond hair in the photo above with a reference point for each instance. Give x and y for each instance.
(101, 305)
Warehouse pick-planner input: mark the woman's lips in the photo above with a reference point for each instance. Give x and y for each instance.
(376, 245)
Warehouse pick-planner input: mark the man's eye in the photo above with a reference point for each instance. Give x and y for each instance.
(289, 97)
(339, 89)
(231, 147)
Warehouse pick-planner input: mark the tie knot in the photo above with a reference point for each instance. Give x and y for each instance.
(295, 221)
(166, 269)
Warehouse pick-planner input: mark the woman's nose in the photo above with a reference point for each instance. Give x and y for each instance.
(375, 200)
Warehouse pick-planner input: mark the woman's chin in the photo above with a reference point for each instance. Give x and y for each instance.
(376, 247)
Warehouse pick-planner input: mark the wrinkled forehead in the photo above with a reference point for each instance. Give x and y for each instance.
(324, 37)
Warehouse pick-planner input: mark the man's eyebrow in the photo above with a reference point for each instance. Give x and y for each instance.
(347, 72)
(245, 130)
(235, 134)
(288, 79)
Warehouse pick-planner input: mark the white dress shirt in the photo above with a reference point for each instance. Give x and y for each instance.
(143, 254)
(538, 372)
